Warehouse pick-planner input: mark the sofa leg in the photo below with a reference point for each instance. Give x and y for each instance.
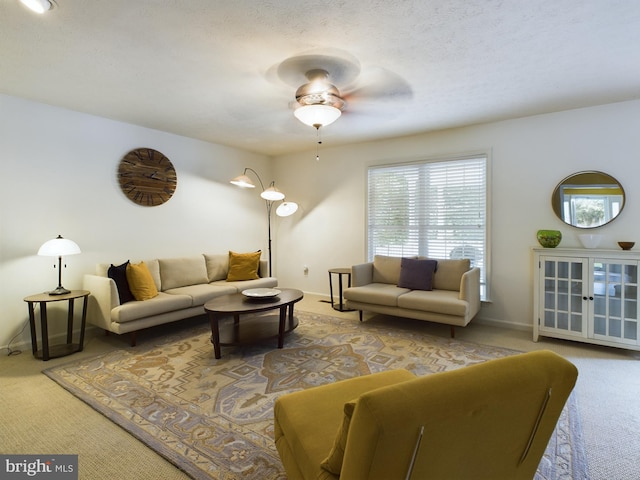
(133, 339)
(360, 313)
(453, 331)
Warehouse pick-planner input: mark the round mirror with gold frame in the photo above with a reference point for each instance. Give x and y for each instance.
(588, 199)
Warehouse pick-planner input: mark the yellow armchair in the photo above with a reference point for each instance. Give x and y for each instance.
(488, 421)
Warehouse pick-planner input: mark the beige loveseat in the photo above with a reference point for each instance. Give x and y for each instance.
(183, 284)
(454, 297)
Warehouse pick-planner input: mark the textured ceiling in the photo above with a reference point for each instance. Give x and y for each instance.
(208, 69)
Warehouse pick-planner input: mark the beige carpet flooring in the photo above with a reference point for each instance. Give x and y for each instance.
(39, 417)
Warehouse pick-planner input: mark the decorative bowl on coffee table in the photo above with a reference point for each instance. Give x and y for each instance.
(261, 292)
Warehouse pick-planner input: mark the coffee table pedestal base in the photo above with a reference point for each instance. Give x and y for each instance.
(251, 330)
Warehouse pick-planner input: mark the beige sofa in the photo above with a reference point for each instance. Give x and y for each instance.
(184, 285)
(454, 299)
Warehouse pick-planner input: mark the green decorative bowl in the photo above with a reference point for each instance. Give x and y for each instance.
(549, 238)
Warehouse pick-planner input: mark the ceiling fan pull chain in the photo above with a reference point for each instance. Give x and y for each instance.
(319, 143)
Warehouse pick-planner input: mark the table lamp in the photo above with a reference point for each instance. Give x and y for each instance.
(58, 247)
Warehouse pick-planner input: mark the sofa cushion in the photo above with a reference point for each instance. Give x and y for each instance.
(386, 269)
(417, 274)
(446, 302)
(141, 282)
(119, 275)
(179, 272)
(158, 305)
(376, 293)
(217, 266)
(202, 293)
(243, 266)
(449, 273)
(154, 268)
(240, 286)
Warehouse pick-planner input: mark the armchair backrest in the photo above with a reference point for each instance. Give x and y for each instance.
(488, 421)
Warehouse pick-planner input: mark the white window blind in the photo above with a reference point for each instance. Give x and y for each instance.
(436, 209)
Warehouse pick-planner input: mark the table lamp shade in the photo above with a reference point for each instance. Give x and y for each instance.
(59, 247)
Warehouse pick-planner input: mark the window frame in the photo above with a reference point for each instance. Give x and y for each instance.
(476, 154)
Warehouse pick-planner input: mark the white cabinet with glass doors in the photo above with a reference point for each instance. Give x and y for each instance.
(587, 295)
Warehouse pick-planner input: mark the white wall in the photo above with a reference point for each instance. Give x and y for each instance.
(529, 157)
(59, 177)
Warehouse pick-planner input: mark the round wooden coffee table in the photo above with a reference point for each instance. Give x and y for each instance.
(254, 328)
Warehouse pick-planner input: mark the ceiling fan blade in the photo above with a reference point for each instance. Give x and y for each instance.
(378, 84)
(341, 67)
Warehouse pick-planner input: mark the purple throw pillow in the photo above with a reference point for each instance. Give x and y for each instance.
(417, 274)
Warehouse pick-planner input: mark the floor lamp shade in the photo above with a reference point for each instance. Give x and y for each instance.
(244, 181)
(38, 6)
(286, 208)
(59, 247)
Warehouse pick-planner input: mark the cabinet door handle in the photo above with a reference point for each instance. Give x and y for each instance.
(585, 298)
(590, 298)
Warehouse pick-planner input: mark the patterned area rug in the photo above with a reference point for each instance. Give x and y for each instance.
(214, 418)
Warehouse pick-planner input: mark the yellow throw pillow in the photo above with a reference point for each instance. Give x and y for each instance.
(333, 462)
(243, 266)
(141, 282)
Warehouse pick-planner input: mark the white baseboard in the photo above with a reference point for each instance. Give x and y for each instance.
(504, 324)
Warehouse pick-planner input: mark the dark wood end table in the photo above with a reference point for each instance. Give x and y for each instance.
(54, 351)
(340, 272)
(256, 329)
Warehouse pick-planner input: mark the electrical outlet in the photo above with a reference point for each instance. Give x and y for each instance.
(305, 269)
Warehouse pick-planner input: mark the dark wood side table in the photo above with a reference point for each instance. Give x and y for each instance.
(340, 272)
(54, 351)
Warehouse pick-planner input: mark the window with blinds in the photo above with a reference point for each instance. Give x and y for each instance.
(436, 209)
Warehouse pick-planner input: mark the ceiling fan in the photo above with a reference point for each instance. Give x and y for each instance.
(319, 102)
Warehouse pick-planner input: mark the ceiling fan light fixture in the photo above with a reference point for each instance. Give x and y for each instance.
(38, 6)
(318, 115)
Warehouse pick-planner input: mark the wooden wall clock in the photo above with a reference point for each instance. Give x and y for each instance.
(147, 177)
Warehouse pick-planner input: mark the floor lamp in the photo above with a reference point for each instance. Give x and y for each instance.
(270, 195)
